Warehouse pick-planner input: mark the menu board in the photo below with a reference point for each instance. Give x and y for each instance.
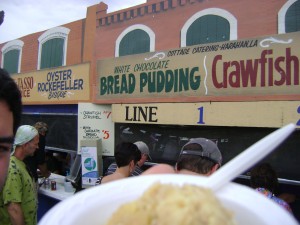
(94, 122)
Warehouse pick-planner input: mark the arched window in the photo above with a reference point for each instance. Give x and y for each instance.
(53, 48)
(289, 17)
(134, 40)
(11, 56)
(207, 26)
(208, 29)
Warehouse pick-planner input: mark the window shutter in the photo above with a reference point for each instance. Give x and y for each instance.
(208, 29)
(292, 18)
(11, 61)
(135, 42)
(52, 53)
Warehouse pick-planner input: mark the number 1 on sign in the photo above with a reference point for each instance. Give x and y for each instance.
(201, 112)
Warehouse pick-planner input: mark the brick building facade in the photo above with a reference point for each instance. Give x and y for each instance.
(165, 25)
(94, 37)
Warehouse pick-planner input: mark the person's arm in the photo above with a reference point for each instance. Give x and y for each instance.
(15, 213)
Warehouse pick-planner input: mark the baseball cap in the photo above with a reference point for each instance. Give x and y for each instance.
(209, 149)
(144, 149)
(25, 134)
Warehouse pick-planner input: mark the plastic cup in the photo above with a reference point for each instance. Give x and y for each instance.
(68, 187)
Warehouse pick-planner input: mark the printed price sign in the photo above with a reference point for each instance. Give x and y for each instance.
(94, 122)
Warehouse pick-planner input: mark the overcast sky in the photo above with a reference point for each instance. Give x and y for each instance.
(23, 17)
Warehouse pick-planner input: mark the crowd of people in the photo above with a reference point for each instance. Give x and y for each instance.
(18, 169)
(199, 156)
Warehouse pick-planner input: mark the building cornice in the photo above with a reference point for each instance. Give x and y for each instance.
(148, 8)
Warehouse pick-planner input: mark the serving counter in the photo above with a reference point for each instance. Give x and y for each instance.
(48, 198)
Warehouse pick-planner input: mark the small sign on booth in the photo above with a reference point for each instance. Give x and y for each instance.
(94, 122)
(91, 161)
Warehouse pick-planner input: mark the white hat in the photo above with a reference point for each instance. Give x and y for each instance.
(25, 134)
(143, 148)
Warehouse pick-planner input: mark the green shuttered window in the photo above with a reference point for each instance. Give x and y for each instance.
(134, 42)
(52, 53)
(292, 18)
(208, 29)
(11, 61)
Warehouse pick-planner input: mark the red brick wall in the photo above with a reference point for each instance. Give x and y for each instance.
(75, 42)
(30, 52)
(254, 18)
(30, 49)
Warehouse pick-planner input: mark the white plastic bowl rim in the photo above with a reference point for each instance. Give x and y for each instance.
(95, 205)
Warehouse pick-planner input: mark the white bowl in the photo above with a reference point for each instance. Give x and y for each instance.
(94, 206)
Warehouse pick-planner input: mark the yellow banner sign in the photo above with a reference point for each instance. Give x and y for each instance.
(253, 69)
(241, 114)
(55, 86)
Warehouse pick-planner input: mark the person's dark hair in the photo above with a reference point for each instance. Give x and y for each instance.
(263, 176)
(10, 93)
(194, 163)
(42, 127)
(125, 152)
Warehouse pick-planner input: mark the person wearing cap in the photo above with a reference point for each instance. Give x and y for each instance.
(145, 155)
(38, 160)
(10, 117)
(199, 156)
(127, 155)
(18, 203)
